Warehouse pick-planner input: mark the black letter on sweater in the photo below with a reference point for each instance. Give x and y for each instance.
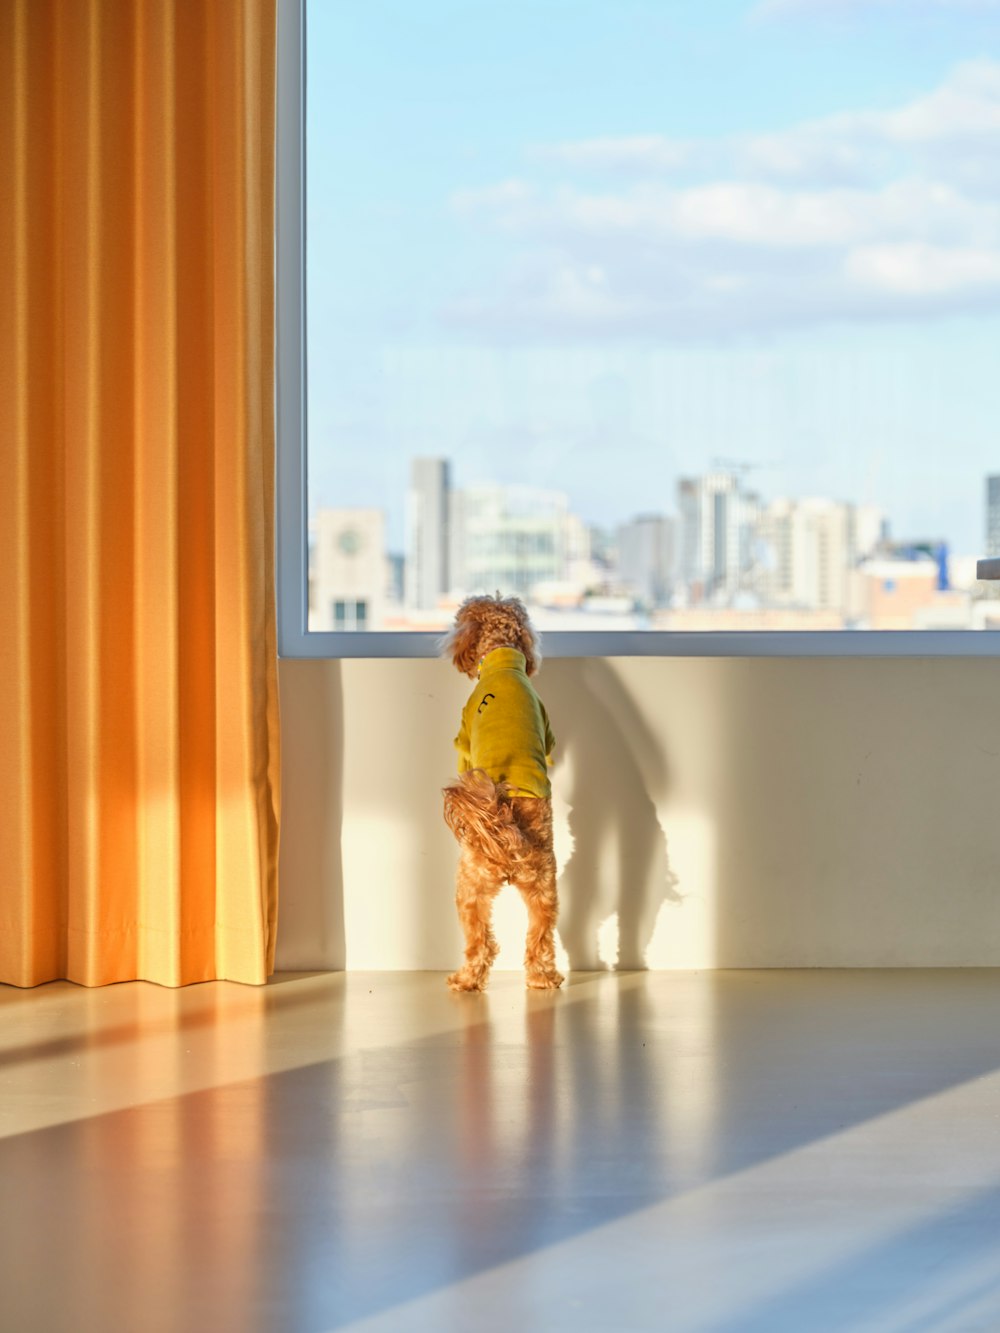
(486, 699)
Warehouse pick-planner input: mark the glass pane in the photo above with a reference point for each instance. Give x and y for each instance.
(659, 315)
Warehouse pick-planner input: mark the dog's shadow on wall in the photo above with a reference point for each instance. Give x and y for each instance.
(610, 772)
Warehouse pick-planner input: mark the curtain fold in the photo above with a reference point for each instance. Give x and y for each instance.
(138, 720)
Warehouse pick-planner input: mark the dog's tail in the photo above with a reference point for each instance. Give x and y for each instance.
(478, 812)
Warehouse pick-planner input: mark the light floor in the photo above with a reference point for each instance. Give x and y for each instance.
(748, 1152)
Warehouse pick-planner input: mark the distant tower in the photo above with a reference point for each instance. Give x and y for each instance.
(646, 557)
(717, 523)
(427, 517)
(993, 516)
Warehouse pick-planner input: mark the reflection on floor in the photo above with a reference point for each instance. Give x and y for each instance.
(751, 1152)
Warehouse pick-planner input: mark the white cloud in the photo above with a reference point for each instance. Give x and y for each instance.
(805, 154)
(963, 113)
(859, 215)
(923, 270)
(740, 213)
(967, 105)
(766, 216)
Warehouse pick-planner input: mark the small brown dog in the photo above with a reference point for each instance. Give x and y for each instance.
(500, 809)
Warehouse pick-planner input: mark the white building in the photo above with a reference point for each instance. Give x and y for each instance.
(718, 521)
(510, 538)
(646, 557)
(807, 549)
(349, 570)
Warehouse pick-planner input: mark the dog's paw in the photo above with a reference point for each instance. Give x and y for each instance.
(550, 980)
(464, 980)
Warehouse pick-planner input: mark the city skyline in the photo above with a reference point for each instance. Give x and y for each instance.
(728, 553)
(762, 230)
(744, 472)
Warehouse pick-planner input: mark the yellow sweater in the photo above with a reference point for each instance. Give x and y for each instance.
(505, 728)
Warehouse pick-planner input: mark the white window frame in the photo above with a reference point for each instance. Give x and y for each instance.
(294, 637)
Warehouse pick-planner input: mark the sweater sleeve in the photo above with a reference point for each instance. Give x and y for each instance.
(464, 746)
(550, 740)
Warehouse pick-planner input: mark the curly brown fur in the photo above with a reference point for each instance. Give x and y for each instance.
(504, 839)
(478, 811)
(484, 623)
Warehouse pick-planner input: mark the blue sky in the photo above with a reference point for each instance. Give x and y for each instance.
(594, 244)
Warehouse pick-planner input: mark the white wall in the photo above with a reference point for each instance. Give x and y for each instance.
(710, 813)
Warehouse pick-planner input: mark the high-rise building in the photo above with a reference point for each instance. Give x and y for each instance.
(428, 505)
(508, 539)
(718, 520)
(807, 549)
(993, 516)
(646, 557)
(349, 572)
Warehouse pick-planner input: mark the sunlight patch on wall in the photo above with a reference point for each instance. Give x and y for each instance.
(510, 925)
(563, 844)
(607, 941)
(383, 860)
(562, 836)
(684, 935)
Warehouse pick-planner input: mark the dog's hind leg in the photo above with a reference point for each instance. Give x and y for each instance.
(476, 887)
(539, 894)
(534, 874)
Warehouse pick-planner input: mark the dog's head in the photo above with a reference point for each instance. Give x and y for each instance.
(484, 623)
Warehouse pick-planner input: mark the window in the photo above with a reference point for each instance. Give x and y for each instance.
(348, 615)
(680, 322)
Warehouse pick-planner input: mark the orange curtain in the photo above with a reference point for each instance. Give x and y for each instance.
(138, 715)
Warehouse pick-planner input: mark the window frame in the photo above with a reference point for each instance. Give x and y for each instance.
(296, 640)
